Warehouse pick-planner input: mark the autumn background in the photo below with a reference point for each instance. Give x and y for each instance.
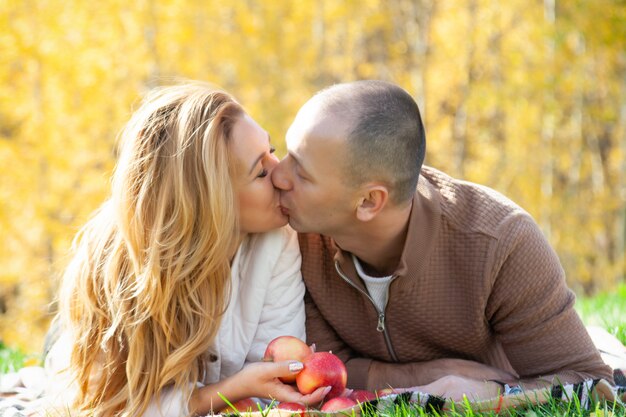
(527, 97)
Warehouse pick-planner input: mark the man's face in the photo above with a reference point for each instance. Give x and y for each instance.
(312, 191)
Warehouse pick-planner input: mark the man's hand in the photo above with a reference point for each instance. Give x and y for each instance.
(455, 387)
(401, 375)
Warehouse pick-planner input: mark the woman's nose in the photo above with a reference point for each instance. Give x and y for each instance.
(271, 163)
(273, 160)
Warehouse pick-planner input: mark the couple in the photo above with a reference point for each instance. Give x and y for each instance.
(413, 278)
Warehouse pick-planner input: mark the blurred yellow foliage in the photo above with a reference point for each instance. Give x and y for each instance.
(526, 97)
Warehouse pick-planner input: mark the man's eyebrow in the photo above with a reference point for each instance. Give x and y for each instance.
(298, 161)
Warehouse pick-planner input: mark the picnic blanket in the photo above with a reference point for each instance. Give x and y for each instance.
(587, 393)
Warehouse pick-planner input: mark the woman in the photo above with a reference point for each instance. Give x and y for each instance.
(186, 273)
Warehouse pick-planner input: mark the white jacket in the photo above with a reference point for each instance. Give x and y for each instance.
(266, 301)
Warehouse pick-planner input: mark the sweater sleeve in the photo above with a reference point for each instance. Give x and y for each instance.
(283, 307)
(531, 310)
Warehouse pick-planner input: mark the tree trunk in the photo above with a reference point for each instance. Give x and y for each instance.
(151, 33)
(548, 123)
(459, 127)
(497, 120)
(620, 229)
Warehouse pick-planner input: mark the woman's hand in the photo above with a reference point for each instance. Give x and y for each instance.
(258, 379)
(261, 380)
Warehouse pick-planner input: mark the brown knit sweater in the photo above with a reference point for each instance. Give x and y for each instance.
(477, 280)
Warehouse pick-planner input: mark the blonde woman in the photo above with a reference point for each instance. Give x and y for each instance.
(183, 276)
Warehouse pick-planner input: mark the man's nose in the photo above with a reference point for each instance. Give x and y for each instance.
(279, 176)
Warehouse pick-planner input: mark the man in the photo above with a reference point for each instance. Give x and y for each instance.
(414, 278)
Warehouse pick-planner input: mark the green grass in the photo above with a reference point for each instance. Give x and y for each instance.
(552, 408)
(606, 310)
(11, 359)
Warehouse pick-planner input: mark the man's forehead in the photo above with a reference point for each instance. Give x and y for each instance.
(316, 150)
(316, 122)
(306, 120)
(310, 138)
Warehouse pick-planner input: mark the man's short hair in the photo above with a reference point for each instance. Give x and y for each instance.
(386, 139)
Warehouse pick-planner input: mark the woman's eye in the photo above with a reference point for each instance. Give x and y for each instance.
(263, 173)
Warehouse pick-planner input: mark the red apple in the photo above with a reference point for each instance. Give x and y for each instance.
(322, 369)
(338, 404)
(362, 396)
(242, 406)
(286, 348)
(297, 408)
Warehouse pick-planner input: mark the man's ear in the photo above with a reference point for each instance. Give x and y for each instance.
(373, 199)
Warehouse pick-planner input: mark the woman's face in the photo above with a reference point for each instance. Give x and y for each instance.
(259, 205)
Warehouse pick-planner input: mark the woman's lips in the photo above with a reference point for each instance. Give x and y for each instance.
(284, 210)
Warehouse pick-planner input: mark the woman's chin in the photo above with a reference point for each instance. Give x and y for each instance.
(266, 226)
(282, 221)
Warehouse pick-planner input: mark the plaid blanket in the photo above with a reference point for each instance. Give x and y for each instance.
(588, 393)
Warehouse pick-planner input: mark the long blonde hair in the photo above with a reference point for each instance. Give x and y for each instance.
(149, 278)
